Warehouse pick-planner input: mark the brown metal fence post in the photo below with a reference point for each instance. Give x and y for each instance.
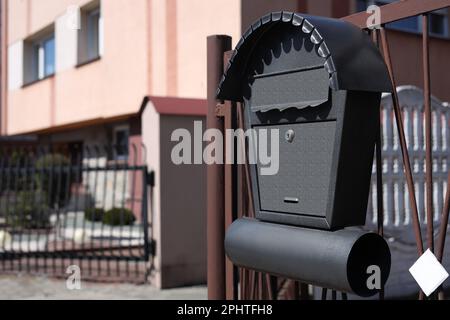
(404, 149)
(217, 45)
(230, 122)
(3, 63)
(428, 132)
(403, 144)
(230, 197)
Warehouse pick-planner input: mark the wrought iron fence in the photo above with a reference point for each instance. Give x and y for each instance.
(73, 205)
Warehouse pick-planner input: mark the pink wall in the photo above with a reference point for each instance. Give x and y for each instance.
(179, 31)
(29, 16)
(255, 9)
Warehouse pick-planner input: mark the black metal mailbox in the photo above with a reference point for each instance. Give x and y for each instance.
(319, 81)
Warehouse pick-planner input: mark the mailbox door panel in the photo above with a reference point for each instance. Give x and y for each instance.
(301, 186)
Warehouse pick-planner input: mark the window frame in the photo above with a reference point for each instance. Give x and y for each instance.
(115, 154)
(93, 49)
(35, 69)
(43, 47)
(442, 13)
(88, 51)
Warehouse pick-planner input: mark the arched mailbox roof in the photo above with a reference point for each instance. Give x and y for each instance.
(348, 54)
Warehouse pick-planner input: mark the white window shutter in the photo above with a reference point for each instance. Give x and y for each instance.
(41, 62)
(15, 65)
(66, 40)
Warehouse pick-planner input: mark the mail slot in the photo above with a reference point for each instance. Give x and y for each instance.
(318, 81)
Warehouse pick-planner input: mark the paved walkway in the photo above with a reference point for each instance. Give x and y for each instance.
(34, 287)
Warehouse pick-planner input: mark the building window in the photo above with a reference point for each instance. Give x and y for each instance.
(121, 136)
(93, 29)
(46, 50)
(90, 34)
(438, 20)
(439, 23)
(39, 58)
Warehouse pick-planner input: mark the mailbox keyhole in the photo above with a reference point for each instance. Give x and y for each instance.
(290, 135)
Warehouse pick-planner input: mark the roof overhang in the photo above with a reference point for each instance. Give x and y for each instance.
(179, 106)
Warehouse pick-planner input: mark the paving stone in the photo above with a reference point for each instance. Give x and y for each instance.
(41, 287)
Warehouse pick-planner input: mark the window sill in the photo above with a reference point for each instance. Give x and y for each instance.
(89, 61)
(37, 80)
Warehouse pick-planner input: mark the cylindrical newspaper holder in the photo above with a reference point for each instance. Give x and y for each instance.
(344, 260)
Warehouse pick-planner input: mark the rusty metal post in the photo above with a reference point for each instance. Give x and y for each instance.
(230, 122)
(403, 144)
(428, 133)
(217, 45)
(379, 168)
(380, 201)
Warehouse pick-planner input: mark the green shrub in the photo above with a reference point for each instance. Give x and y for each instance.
(118, 217)
(52, 159)
(94, 214)
(29, 211)
(51, 177)
(18, 158)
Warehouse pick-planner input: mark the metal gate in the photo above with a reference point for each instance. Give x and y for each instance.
(72, 205)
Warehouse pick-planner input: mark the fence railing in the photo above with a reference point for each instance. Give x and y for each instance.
(82, 205)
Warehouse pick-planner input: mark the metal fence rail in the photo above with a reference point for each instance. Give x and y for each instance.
(412, 154)
(74, 205)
